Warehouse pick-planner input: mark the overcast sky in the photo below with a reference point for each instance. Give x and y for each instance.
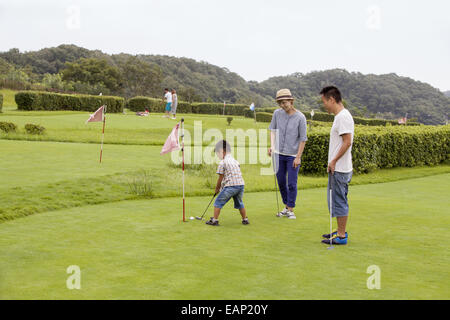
(256, 39)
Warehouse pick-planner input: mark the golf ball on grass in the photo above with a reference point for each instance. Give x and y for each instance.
(192, 218)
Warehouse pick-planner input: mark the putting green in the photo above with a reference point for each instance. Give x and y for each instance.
(141, 250)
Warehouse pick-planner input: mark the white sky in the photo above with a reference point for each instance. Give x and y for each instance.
(256, 39)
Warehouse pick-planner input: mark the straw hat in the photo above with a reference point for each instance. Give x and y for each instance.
(284, 94)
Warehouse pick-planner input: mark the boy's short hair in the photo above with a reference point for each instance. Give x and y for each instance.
(166, 89)
(332, 91)
(222, 145)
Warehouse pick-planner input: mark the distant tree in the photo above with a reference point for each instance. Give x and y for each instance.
(188, 94)
(95, 72)
(141, 78)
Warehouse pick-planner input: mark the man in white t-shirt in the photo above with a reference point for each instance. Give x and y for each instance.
(168, 100)
(340, 168)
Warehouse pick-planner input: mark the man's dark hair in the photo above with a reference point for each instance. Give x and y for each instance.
(222, 145)
(332, 91)
(166, 89)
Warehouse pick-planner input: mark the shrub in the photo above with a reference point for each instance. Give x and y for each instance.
(37, 100)
(229, 119)
(7, 127)
(141, 103)
(34, 129)
(264, 117)
(1, 102)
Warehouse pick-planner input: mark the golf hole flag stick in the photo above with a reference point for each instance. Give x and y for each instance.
(172, 144)
(97, 116)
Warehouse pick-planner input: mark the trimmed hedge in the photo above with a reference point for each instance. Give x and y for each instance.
(8, 127)
(325, 117)
(383, 148)
(263, 117)
(217, 108)
(138, 104)
(1, 102)
(39, 100)
(157, 105)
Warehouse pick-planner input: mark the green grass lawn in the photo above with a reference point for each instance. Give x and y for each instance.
(9, 102)
(141, 250)
(60, 207)
(70, 126)
(37, 177)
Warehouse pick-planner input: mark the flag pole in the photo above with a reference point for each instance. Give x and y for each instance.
(103, 132)
(182, 155)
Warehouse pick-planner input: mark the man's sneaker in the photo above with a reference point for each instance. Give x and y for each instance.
(327, 236)
(245, 221)
(211, 222)
(290, 215)
(282, 213)
(336, 240)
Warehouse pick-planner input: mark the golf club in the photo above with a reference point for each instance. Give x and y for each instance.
(201, 218)
(275, 179)
(331, 221)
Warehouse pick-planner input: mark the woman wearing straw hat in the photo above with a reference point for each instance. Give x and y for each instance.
(288, 139)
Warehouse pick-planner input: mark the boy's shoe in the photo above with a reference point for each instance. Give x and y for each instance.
(245, 221)
(212, 223)
(327, 236)
(336, 240)
(282, 213)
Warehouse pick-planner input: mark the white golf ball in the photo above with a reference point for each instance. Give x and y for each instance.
(192, 218)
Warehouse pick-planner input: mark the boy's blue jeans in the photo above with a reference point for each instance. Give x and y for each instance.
(235, 192)
(288, 187)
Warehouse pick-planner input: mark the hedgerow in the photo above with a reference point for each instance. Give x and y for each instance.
(37, 100)
(382, 147)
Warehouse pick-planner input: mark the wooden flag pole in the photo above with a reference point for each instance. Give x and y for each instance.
(103, 132)
(182, 155)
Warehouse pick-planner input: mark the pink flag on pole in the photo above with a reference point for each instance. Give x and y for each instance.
(96, 116)
(171, 143)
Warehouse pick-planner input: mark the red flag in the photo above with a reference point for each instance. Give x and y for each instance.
(171, 143)
(96, 116)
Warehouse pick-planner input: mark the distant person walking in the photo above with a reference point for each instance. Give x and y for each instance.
(174, 103)
(288, 139)
(168, 100)
(340, 167)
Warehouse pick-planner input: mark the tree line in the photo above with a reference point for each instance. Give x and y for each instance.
(69, 68)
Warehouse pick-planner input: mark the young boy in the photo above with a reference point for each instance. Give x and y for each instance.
(230, 181)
